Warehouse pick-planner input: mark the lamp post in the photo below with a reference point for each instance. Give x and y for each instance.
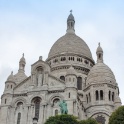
(35, 120)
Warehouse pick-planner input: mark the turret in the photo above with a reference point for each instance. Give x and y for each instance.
(71, 79)
(70, 23)
(21, 72)
(22, 63)
(10, 84)
(99, 53)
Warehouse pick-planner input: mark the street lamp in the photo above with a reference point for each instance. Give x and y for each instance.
(35, 120)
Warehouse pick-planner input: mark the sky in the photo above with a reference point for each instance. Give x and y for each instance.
(33, 26)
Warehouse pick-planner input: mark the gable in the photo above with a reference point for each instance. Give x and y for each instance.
(24, 85)
(55, 83)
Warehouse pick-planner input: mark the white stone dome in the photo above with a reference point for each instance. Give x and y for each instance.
(70, 43)
(100, 73)
(11, 78)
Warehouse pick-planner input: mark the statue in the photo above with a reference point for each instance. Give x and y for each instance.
(63, 107)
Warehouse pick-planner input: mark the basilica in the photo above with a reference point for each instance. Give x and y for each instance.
(69, 74)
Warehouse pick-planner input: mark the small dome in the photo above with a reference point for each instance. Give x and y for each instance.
(70, 43)
(71, 71)
(100, 73)
(11, 78)
(20, 76)
(99, 49)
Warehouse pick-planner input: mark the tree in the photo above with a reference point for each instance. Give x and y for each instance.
(88, 121)
(117, 116)
(68, 119)
(62, 119)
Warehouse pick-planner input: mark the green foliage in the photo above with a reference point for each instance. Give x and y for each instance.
(117, 116)
(88, 121)
(62, 119)
(68, 119)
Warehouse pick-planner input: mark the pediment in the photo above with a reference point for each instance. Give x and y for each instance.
(24, 85)
(40, 63)
(55, 82)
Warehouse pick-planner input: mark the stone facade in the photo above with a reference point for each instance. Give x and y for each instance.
(70, 74)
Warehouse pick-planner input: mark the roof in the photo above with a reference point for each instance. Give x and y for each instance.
(70, 43)
(100, 73)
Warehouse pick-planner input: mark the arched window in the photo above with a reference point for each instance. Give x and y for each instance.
(37, 107)
(113, 96)
(11, 86)
(79, 83)
(19, 104)
(56, 112)
(62, 78)
(5, 101)
(97, 95)
(109, 95)
(89, 97)
(36, 102)
(56, 102)
(19, 118)
(101, 94)
(69, 95)
(100, 119)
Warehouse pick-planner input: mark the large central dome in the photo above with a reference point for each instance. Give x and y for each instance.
(70, 43)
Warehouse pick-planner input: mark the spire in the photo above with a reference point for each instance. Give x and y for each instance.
(70, 23)
(22, 63)
(99, 53)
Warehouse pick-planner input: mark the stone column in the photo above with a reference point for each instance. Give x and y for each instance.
(28, 114)
(45, 112)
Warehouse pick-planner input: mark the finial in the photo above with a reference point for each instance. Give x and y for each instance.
(99, 43)
(71, 11)
(40, 57)
(11, 72)
(23, 55)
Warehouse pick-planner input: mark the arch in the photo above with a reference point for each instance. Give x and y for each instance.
(100, 119)
(17, 100)
(35, 96)
(96, 112)
(59, 96)
(97, 95)
(45, 66)
(79, 83)
(19, 103)
(56, 102)
(62, 78)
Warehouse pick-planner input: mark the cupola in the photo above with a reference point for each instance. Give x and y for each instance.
(70, 23)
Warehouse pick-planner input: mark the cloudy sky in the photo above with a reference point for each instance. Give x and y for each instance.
(32, 26)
